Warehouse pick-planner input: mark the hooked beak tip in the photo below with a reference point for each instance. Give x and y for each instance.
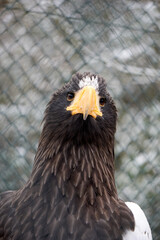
(85, 116)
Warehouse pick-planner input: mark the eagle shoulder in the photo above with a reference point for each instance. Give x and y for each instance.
(142, 229)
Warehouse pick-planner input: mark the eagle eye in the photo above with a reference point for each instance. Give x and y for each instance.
(102, 101)
(70, 96)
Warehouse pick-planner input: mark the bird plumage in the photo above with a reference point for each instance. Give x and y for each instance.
(71, 194)
(142, 229)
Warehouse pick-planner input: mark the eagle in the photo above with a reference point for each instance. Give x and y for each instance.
(71, 193)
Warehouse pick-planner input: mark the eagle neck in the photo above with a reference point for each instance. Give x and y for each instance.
(79, 179)
(87, 167)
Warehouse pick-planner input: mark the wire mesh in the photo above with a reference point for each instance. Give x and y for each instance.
(42, 43)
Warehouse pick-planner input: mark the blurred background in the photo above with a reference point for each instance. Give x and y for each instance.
(44, 42)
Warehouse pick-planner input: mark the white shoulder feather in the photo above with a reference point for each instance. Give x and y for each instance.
(142, 229)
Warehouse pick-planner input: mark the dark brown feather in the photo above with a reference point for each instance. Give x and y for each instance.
(71, 194)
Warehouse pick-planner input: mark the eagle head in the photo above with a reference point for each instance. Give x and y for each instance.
(82, 111)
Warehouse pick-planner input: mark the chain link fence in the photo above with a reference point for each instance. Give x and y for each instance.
(42, 43)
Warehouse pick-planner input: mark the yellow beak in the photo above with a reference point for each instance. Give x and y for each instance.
(86, 102)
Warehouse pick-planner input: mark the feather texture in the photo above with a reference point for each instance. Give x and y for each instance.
(142, 229)
(71, 194)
